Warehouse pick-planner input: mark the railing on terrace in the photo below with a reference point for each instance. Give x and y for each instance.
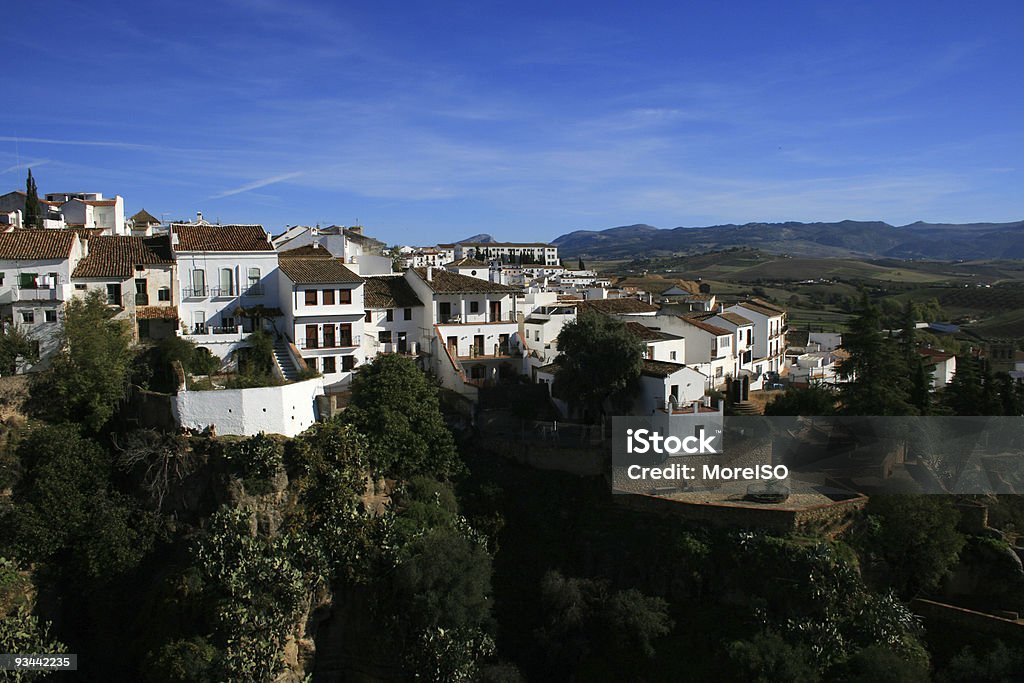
(339, 343)
(254, 290)
(195, 293)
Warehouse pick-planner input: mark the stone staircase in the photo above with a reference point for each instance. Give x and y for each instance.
(284, 360)
(745, 408)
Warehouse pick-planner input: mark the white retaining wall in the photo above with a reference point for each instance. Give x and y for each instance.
(288, 409)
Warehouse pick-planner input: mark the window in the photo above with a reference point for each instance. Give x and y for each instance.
(1, 278)
(384, 337)
(28, 317)
(164, 294)
(347, 363)
(114, 294)
(80, 287)
(330, 365)
(310, 363)
(50, 315)
(368, 317)
(199, 282)
(408, 314)
(311, 297)
(671, 355)
(474, 306)
(390, 315)
(718, 371)
(344, 296)
(328, 297)
(345, 334)
(54, 279)
(726, 342)
(227, 282)
(27, 280)
(254, 280)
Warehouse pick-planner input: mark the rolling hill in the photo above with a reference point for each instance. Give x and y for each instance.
(871, 239)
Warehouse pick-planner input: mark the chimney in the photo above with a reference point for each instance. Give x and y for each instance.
(430, 273)
(199, 216)
(721, 308)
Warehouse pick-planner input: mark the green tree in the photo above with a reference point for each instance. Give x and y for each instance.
(599, 362)
(875, 379)
(396, 406)
(586, 618)
(999, 665)
(89, 376)
(767, 658)
(917, 536)
(580, 265)
(881, 665)
(67, 514)
(965, 395)
(33, 212)
(814, 400)
(920, 382)
(256, 589)
(15, 344)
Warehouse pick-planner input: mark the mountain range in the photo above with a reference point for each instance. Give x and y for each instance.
(871, 239)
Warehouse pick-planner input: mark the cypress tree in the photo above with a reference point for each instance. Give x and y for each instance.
(874, 374)
(919, 382)
(32, 218)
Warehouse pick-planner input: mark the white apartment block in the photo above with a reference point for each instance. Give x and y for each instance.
(322, 305)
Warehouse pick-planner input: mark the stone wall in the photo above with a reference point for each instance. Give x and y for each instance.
(288, 409)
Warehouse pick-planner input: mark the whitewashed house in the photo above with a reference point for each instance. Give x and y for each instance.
(35, 282)
(940, 364)
(769, 333)
(470, 267)
(136, 276)
(473, 338)
(323, 313)
(225, 273)
(90, 210)
(743, 340)
(394, 317)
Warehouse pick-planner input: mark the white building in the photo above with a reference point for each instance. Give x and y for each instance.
(428, 257)
(769, 333)
(707, 347)
(940, 364)
(394, 316)
(322, 306)
(469, 267)
(658, 345)
(473, 336)
(35, 282)
(136, 275)
(743, 339)
(507, 252)
(91, 211)
(223, 271)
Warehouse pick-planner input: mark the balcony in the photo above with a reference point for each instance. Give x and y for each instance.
(254, 290)
(222, 292)
(36, 294)
(195, 293)
(340, 343)
(141, 299)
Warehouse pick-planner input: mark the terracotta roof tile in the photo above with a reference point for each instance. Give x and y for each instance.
(144, 216)
(36, 245)
(762, 307)
(706, 326)
(315, 271)
(117, 256)
(660, 368)
(618, 306)
(466, 262)
(305, 251)
(446, 282)
(389, 291)
(156, 312)
(192, 237)
(734, 318)
(644, 333)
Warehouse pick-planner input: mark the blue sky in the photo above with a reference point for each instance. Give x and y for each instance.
(433, 121)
